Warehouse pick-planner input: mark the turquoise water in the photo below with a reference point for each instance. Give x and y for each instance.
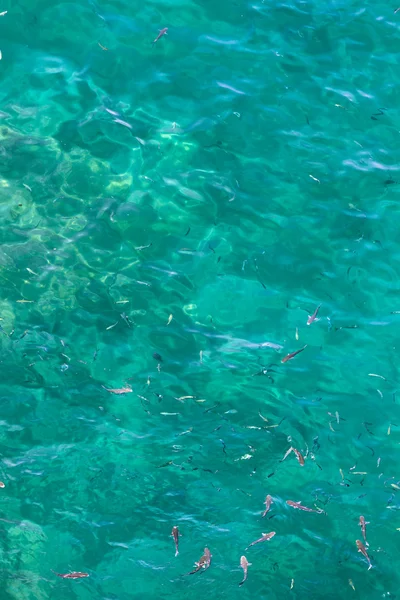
(194, 201)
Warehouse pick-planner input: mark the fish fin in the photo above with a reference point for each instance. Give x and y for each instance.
(176, 552)
(263, 534)
(249, 564)
(370, 566)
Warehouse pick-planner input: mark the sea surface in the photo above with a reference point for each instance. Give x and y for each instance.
(172, 215)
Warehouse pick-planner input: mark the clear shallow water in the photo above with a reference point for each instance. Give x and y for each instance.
(235, 175)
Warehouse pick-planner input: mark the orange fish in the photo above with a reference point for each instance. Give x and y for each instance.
(293, 354)
(265, 537)
(361, 548)
(301, 507)
(268, 502)
(72, 575)
(363, 523)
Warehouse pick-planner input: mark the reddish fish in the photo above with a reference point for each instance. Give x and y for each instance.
(265, 537)
(292, 354)
(311, 318)
(162, 32)
(175, 535)
(72, 575)
(245, 565)
(204, 562)
(361, 548)
(301, 507)
(363, 524)
(299, 456)
(268, 502)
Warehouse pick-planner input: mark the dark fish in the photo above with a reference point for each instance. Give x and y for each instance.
(363, 523)
(204, 562)
(245, 565)
(361, 548)
(167, 464)
(293, 354)
(157, 356)
(162, 32)
(175, 535)
(311, 318)
(126, 319)
(265, 537)
(301, 507)
(268, 502)
(72, 575)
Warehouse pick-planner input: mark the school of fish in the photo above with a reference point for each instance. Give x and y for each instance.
(204, 562)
